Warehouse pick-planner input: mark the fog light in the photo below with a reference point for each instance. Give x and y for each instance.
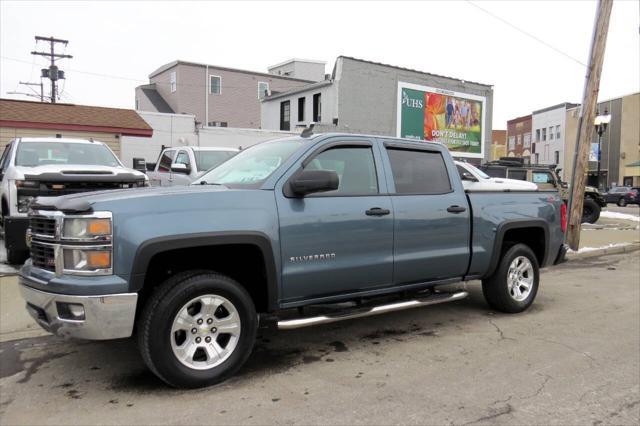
(70, 311)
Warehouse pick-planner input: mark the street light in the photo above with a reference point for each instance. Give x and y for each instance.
(601, 122)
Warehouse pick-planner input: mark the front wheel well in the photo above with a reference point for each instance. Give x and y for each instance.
(243, 263)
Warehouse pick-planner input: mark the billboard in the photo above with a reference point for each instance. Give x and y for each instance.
(454, 119)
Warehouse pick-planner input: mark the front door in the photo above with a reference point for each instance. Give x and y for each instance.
(341, 241)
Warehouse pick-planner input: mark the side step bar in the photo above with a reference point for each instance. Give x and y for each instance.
(434, 299)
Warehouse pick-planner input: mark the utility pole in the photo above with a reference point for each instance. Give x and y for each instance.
(36, 84)
(586, 126)
(52, 73)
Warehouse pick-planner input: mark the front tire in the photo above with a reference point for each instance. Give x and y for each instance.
(513, 286)
(622, 202)
(590, 211)
(197, 329)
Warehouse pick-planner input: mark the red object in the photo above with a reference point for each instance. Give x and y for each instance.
(563, 217)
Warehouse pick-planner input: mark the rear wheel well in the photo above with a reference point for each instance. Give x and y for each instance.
(244, 263)
(533, 237)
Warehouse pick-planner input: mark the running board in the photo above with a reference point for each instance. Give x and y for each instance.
(435, 299)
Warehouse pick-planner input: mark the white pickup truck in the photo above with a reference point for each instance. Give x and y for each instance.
(32, 167)
(476, 180)
(183, 165)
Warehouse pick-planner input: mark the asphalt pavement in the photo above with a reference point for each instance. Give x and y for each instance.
(573, 358)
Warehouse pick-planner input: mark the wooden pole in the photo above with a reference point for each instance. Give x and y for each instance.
(586, 122)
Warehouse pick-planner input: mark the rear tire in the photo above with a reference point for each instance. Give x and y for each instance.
(514, 284)
(181, 314)
(590, 211)
(622, 202)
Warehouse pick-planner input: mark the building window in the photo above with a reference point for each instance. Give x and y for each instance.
(263, 89)
(215, 84)
(557, 132)
(317, 108)
(544, 134)
(519, 140)
(537, 158)
(137, 104)
(173, 81)
(512, 143)
(217, 124)
(285, 115)
(537, 135)
(556, 158)
(527, 140)
(301, 102)
(551, 133)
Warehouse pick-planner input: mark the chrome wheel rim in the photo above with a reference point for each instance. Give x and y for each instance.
(520, 278)
(205, 332)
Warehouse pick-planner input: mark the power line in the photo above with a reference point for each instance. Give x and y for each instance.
(528, 34)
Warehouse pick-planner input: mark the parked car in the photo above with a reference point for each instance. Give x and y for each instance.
(366, 223)
(181, 166)
(474, 179)
(622, 195)
(32, 167)
(546, 177)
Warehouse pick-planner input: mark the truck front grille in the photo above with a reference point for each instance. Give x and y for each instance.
(42, 226)
(42, 256)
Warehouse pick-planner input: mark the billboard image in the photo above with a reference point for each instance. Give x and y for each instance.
(453, 119)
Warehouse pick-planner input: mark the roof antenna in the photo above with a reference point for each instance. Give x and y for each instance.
(308, 131)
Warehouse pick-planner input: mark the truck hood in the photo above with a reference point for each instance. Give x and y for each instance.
(514, 183)
(69, 171)
(84, 202)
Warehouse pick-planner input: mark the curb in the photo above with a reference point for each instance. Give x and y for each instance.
(605, 251)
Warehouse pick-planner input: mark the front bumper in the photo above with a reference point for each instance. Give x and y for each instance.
(109, 316)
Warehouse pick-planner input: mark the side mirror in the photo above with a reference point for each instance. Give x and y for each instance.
(180, 168)
(140, 165)
(151, 167)
(312, 181)
(468, 176)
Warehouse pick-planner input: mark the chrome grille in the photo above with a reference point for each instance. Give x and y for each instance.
(43, 256)
(42, 226)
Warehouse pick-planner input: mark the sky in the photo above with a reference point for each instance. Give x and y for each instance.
(116, 44)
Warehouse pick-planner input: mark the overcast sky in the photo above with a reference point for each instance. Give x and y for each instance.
(115, 45)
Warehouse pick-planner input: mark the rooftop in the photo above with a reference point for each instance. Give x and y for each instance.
(40, 115)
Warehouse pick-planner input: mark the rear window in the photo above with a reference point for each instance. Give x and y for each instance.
(517, 174)
(419, 172)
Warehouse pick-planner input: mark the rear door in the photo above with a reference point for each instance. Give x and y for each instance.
(431, 223)
(341, 241)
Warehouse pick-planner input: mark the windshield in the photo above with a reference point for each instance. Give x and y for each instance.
(32, 154)
(206, 160)
(477, 171)
(251, 167)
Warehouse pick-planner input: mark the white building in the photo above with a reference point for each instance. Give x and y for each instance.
(548, 128)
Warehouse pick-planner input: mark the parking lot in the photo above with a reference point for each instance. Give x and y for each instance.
(573, 358)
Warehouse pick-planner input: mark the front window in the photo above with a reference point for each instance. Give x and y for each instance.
(251, 167)
(206, 160)
(477, 171)
(32, 154)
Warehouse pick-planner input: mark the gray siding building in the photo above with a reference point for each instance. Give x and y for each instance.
(217, 96)
(366, 97)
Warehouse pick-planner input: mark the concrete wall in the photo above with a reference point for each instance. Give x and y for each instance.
(180, 130)
(306, 70)
(367, 100)
(630, 137)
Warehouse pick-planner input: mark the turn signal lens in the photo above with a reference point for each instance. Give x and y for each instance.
(99, 227)
(99, 259)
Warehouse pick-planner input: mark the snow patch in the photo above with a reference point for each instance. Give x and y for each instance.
(588, 249)
(623, 216)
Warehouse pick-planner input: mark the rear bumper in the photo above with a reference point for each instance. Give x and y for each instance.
(103, 317)
(15, 231)
(561, 257)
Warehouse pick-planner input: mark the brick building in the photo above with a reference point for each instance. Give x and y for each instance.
(519, 138)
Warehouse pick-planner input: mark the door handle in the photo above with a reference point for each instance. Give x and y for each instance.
(456, 209)
(377, 211)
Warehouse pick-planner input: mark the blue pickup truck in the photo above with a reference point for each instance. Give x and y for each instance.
(370, 224)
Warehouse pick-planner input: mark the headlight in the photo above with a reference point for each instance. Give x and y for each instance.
(87, 260)
(87, 228)
(24, 201)
(27, 184)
